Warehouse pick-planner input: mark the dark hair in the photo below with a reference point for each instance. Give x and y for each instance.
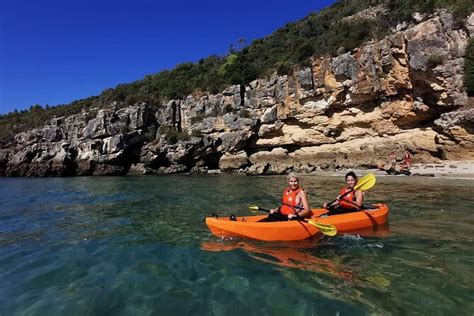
(351, 174)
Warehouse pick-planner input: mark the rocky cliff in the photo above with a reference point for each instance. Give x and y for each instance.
(404, 92)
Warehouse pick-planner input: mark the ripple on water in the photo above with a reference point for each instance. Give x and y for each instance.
(139, 246)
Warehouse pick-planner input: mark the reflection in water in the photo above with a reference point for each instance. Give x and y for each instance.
(289, 255)
(299, 254)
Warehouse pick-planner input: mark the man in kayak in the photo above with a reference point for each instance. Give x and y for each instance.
(348, 200)
(294, 202)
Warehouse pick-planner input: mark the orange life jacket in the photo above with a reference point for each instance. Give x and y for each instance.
(289, 201)
(349, 197)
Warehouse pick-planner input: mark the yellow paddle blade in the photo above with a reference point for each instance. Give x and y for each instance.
(366, 182)
(253, 208)
(326, 229)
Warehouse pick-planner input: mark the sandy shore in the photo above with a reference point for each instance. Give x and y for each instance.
(444, 169)
(456, 169)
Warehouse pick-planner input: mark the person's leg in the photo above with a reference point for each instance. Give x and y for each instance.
(338, 210)
(333, 211)
(272, 218)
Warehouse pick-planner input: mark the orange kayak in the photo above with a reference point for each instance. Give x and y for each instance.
(250, 227)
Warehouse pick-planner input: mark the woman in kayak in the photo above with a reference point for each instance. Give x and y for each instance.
(348, 200)
(294, 202)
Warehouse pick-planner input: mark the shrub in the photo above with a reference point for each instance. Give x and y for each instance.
(284, 68)
(434, 60)
(197, 133)
(228, 108)
(245, 113)
(172, 135)
(90, 115)
(124, 129)
(198, 118)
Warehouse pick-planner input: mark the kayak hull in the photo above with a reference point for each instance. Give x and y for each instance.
(358, 220)
(249, 227)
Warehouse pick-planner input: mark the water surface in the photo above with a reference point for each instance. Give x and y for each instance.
(139, 246)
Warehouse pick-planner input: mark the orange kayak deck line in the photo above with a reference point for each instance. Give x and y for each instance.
(249, 227)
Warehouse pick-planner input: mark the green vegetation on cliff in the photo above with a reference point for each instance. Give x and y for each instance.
(19, 121)
(337, 29)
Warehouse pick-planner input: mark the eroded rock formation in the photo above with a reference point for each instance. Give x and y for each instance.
(404, 92)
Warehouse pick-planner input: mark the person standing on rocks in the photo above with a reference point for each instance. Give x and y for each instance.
(392, 160)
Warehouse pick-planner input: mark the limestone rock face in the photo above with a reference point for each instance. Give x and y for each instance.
(456, 134)
(104, 145)
(276, 161)
(232, 162)
(404, 92)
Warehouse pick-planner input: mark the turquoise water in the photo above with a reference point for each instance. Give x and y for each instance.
(139, 246)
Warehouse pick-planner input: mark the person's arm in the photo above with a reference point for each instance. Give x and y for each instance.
(333, 204)
(303, 200)
(359, 198)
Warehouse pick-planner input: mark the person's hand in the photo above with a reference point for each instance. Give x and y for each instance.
(325, 205)
(290, 216)
(272, 211)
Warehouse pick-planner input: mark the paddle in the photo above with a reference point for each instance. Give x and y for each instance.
(364, 183)
(326, 229)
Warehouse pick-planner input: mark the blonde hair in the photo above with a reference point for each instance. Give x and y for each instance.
(292, 175)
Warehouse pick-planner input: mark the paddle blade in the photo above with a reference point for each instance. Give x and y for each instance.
(366, 182)
(253, 208)
(326, 229)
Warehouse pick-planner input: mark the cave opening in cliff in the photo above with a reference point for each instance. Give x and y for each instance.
(212, 160)
(160, 161)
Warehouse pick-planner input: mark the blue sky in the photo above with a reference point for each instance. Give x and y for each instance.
(54, 52)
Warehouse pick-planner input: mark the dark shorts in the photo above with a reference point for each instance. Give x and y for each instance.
(277, 218)
(340, 210)
(273, 218)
